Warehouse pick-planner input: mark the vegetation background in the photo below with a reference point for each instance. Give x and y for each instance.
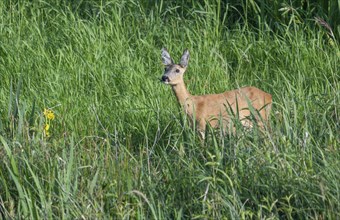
(87, 131)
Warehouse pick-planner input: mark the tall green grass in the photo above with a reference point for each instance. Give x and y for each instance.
(119, 147)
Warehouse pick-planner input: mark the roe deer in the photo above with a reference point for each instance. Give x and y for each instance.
(242, 102)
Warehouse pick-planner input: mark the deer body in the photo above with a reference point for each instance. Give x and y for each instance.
(214, 107)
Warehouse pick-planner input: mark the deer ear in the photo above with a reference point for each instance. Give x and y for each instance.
(185, 59)
(166, 59)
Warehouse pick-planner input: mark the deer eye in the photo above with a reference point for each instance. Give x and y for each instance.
(177, 70)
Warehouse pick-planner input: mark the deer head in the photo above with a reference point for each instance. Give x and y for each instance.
(173, 73)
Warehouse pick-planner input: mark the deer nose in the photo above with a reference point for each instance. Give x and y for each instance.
(165, 78)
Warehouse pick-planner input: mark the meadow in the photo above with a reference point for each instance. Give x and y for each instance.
(88, 131)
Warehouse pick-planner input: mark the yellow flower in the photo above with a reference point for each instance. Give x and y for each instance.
(46, 128)
(49, 114)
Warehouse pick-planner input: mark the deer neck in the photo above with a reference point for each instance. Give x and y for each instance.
(181, 93)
